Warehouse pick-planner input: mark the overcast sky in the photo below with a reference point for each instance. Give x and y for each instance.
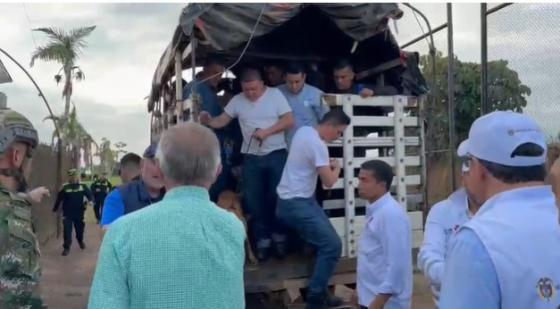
(125, 47)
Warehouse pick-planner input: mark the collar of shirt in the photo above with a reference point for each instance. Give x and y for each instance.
(191, 192)
(374, 207)
(519, 195)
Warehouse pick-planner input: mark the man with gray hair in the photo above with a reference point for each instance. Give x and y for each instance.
(182, 252)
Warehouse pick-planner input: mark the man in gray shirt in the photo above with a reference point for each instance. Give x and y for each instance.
(264, 115)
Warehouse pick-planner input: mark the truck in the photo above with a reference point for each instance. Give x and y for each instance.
(316, 34)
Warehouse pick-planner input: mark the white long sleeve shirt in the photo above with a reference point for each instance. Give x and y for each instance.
(443, 221)
(384, 255)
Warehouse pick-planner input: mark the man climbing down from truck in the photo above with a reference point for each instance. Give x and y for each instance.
(298, 208)
(264, 115)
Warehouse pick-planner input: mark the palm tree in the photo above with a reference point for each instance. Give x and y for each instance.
(76, 138)
(64, 48)
(106, 155)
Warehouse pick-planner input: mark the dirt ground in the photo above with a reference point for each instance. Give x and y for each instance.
(66, 281)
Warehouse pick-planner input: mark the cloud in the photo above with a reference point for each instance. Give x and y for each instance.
(119, 63)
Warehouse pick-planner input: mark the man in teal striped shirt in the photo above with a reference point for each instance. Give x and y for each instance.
(182, 252)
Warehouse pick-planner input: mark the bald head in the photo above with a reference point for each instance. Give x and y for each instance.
(189, 154)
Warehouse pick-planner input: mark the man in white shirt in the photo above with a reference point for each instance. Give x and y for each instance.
(304, 99)
(508, 254)
(264, 115)
(384, 273)
(444, 219)
(298, 208)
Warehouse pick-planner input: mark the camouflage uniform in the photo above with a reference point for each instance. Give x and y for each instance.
(19, 249)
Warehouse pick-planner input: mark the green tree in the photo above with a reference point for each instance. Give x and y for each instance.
(107, 156)
(505, 92)
(65, 48)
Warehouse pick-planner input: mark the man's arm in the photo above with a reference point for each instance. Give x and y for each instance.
(329, 174)
(109, 288)
(431, 258)
(470, 279)
(88, 193)
(113, 208)
(396, 249)
(59, 199)
(216, 122)
(286, 121)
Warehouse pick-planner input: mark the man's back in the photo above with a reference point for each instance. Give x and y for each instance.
(183, 252)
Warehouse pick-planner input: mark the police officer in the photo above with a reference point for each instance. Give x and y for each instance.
(100, 188)
(72, 196)
(19, 249)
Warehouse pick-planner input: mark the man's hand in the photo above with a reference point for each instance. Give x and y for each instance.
(379, 301)
(261, 134)
(36, 195)
(334, 164)
(366, 93)
(204, 117)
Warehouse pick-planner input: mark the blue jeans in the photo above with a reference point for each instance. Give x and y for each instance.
(261, 175)
(312, 224)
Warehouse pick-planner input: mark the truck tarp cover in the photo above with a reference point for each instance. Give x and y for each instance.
(227, 26)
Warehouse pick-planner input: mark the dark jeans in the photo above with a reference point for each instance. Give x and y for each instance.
(312, 224)
(261, 175)
(97, 208)
(79, 225)
(223, 182)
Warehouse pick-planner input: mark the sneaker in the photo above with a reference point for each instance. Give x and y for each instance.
(65, 252)
(334, 301)
(82, 245)
(316, 302)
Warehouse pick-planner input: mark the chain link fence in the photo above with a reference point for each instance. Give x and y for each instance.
(525, 38)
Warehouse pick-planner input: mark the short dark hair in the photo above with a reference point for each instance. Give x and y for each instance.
(380, 170)
(335, 117)
(295, 68)
(250, 74)
(518, 174)
(214, 60)
(343, 64)
(130, 160)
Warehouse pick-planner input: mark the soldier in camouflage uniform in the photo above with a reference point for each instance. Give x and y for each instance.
(19, 249)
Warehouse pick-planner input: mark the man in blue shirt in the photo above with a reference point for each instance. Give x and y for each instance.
(206, 86)
(146, 190)
(507, 255)
(304, 99)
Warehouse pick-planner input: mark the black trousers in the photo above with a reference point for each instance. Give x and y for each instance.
(78, 224)
(97, 208)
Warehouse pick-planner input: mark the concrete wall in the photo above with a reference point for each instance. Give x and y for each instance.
(43, 173)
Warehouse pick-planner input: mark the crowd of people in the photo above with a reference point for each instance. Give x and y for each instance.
(495, 243)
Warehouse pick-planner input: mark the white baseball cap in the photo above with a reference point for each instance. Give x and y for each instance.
(495, 136)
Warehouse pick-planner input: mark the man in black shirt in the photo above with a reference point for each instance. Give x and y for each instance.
(73, 196)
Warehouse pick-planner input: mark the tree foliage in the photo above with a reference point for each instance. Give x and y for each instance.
(505, 92)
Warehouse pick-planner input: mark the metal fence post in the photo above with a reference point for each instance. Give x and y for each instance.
(484, 108)
(451, 92)
(400, 167)
(349, 194)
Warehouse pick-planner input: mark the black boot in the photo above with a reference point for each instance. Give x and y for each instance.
(65, 252)
(280, 250)
(263, 254)
(316, 302)
(82, 245)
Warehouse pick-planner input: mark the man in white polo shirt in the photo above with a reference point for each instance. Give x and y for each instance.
(444, 219)
(508, 254)
(298, 208)
(264, 115)
(384, 251)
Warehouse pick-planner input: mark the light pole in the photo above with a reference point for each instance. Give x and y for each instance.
(56, 128)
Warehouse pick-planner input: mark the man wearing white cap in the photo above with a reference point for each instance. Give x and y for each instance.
(508, 254)
(444, 219)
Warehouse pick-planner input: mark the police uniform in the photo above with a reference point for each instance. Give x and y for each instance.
(19, 248)
(100, 188)
(72, 197)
